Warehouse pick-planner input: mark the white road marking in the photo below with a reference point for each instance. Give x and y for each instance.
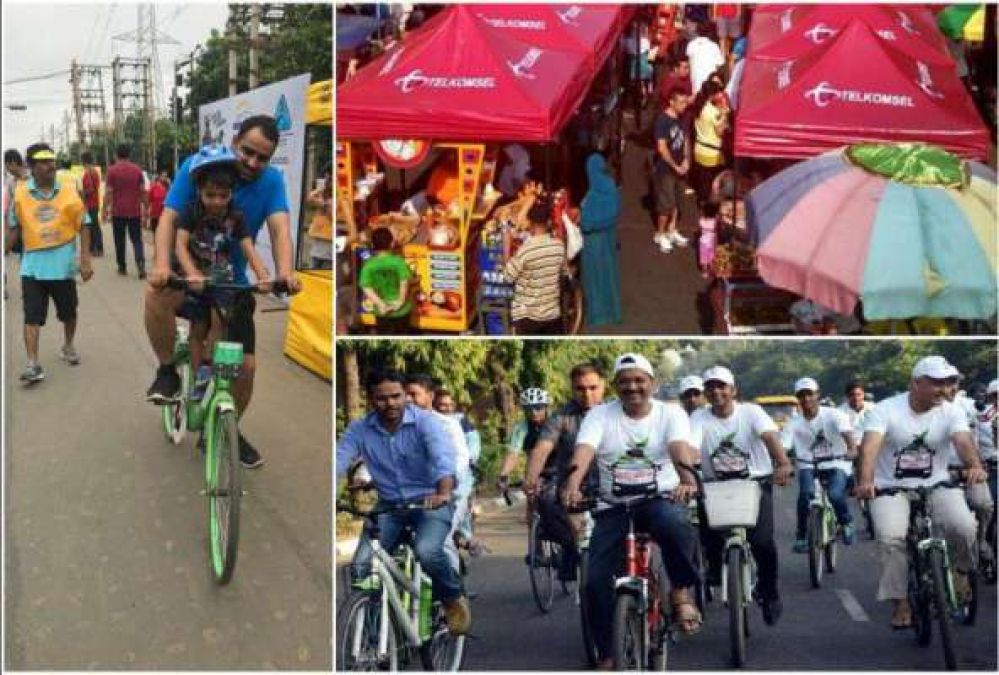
(851, 605)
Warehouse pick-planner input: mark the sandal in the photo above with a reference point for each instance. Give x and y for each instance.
(686, 617)
(901, 617)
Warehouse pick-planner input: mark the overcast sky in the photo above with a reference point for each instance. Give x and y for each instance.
(41, 38)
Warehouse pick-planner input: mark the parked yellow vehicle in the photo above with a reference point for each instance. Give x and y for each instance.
(780, 408)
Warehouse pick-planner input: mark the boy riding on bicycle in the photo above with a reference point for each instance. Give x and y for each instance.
(209, 232)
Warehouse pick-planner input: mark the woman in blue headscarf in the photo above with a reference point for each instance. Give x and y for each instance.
(601, 277)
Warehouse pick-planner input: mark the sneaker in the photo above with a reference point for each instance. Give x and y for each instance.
(248, 455)
(458, 615)
(657, 238)
(69, 355)
(678, 239)
(122, 271)
(165, 389)
(800, 545)
(849, 533)
(142, 273)
(32, 374)
(772, 609)
(664, 245)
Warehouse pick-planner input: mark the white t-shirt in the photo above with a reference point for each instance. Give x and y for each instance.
(923, 438)
(971, 414)
(822, 436)
(462, 459)
(986, 440)
(856, 419)
(705, 58)
(741, 431)
(612, 433)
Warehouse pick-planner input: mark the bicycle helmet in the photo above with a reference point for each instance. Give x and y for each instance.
(533, 396)
(216, 157)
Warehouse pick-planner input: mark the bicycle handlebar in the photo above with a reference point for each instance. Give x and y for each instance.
(182, 284)
(922, 490)
(412, 505)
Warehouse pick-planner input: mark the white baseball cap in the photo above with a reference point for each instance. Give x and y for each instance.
(806, 383)
(993, 387)
(632, 360)
(719, 373)
(691, 382)
(934, 367)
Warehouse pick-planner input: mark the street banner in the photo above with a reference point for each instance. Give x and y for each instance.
(285, 101)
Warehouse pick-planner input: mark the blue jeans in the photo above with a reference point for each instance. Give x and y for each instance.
(431, 528)
(669, 525)
(836, 490)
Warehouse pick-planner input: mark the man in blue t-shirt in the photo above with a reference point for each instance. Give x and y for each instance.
(261, 197)
(672, 166)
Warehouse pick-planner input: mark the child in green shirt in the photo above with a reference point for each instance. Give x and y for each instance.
(384, 280)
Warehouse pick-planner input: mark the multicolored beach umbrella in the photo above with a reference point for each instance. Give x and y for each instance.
(963, 22)
(910, 229)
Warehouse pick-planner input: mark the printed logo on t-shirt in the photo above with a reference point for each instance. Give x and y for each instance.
(915, 460)
(728, 459)
(821, 447)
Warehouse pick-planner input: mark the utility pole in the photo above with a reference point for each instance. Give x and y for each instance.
(255, 11)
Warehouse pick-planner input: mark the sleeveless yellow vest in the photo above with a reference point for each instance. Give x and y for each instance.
(47, 223)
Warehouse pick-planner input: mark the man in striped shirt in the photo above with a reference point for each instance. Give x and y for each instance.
(535, 270)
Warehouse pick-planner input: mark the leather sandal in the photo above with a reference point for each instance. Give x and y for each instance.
(686, 617)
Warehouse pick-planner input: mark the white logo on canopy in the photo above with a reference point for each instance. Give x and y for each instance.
(415, 79)
(523, 67)
(824, 93)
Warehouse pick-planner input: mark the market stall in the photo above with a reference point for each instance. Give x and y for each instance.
(309, 333)
(434, 113)
(816, 79)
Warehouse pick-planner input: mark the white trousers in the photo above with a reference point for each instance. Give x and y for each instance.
(450, 548)
(952, 519)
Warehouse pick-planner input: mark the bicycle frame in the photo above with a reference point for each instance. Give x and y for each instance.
(637, 579)
(920, 541)
(820, 498)
(416, 622)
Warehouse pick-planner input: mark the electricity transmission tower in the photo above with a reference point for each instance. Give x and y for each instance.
(88, 104)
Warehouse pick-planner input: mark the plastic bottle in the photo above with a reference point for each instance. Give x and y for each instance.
(426, 604)
(201, 380)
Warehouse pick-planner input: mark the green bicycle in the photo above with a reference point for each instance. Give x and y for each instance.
(213, 414)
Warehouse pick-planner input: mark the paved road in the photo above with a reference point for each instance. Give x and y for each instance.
(659, 292)
(838, 627)
(105, 549)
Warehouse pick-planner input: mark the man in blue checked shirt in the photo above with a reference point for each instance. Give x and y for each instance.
(410, 457)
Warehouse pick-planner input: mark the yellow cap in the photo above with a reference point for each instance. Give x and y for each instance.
(42, 155)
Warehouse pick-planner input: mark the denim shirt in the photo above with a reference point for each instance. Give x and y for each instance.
(406, 464)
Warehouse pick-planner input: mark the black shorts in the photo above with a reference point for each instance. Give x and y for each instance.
(36, 294)
(241, 327)
(668, 192)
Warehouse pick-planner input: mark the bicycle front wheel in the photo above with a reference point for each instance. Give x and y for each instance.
(815, 517)
(541, 568)
(175, 414)
(736, 616)
(444, 651)
(224, 490)
(938, 575)
(831, 542)
(629, 634)
(357, 636)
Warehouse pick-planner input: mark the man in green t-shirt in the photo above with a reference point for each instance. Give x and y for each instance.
(384, 279)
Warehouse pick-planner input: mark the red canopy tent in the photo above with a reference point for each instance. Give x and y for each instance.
(855, 89)
(589, 29)
(461, 79)
(795, 31)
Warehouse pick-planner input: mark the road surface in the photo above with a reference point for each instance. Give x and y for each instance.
(105, 549)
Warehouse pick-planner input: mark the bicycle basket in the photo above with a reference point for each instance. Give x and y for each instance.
(731, 503)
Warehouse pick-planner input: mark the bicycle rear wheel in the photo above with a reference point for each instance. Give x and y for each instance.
(734, 561)
(629, 634)
(224, 490)
(815, 517)
(920, 603)
(175, 414)
(444, 651)
(938, 575)
(357, 636)
(541, 568)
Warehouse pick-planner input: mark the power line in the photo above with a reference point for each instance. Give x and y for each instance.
(36, 78)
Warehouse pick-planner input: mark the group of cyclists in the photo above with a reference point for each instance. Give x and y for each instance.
(598, 446)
